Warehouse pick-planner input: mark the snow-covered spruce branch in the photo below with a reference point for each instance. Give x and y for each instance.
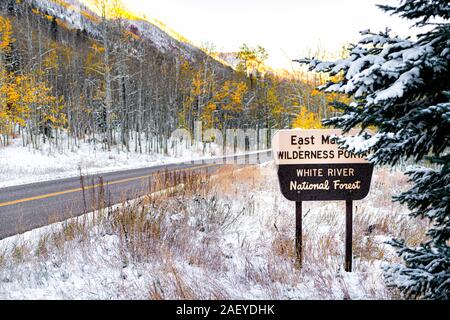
(384, 72)
(401, 87)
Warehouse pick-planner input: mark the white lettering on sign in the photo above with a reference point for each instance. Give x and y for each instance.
(331, 172)
(324, 185)
(312, 147)
(310, 172)
(304, 185)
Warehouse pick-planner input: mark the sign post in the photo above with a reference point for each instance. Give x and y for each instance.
(298, 234)
(348, 234)
(312, 167)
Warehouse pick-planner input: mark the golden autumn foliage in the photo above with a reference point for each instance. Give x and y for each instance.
(207, 116)
(252, 59)
(109, 88)
(23, 96)
(3, 101)
(36, 98)
(6, 38)
(50, 60)
(111, 9)
(231, 97)
(307, 120)
(193, 89)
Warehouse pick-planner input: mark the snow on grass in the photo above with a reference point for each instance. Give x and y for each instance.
(22, 165)
(226, 237)
(19, 165)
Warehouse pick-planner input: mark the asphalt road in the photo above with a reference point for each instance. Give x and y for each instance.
(29, 206)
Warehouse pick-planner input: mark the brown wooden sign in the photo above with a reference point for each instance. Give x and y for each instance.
(312, 167)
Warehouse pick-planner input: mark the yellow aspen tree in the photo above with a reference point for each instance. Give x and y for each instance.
(3, 100)
(207, 116)
(307, 120)
(17, 109)
(50, 60)
(237, 95)
(49, 107)
(6, 38)
(194, 104)
(185, 76)
(232, 96)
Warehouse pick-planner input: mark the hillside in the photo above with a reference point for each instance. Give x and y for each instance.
(78, 72)
(81, 15)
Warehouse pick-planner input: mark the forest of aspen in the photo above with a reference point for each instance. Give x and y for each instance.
(63, 86)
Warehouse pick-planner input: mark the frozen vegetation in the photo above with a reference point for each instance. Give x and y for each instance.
(21, 165)
(224, 237)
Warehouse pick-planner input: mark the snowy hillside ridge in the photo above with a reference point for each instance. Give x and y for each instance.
(78, 15)
(73, 12)
(231, 58)
(216, 242)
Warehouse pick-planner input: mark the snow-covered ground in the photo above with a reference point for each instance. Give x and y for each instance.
(230, 237)
(21, 165)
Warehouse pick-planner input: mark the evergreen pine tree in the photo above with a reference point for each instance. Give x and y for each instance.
(11, 8)
(54, 29)
(402, 87)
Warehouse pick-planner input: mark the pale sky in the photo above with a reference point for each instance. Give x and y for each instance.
(286, 28)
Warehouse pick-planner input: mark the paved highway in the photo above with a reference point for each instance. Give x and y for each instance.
(29, 206)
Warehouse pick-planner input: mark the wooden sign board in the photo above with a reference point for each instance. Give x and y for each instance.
(312, 167)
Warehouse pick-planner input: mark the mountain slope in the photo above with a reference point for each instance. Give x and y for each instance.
(80, 15)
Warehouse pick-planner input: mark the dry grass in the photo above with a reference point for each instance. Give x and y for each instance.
(20, 252)
(2, 258)
(177, 234)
